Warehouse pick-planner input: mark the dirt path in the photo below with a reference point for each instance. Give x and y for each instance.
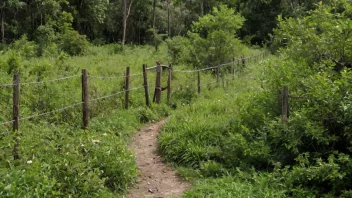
(156, 179)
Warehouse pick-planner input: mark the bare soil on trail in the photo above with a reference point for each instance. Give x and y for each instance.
(156, 179)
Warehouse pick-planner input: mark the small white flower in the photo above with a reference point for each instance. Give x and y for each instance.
(29, 161)
(95, 141)
(82, 144)
(104, 134)
(8, 187)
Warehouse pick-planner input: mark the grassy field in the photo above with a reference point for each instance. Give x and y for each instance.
(57, 157)
(201, 140)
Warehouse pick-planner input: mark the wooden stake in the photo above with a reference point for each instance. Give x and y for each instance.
(169, 80)
(127, 87)
(16, 113)
(199, 82)
(233, 69)
(85, 98)
(146, 91)
(217, 74)
(158, 84)
(285, 105)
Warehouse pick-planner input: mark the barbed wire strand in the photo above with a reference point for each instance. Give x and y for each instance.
(7, 122)
(209, 83)
(149, 68)
(113, 77)
(50, 112)
(208, 68)
(7, 85)
(115, 94)
(53, 80)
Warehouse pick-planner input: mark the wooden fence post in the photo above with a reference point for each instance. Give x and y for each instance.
(146, 91)
(16, 113)
(85, 98)
(169, 80)
(233, 69)
(217, 74)
(199, 82)
(158, 83)
(285, 112)
(127, 87)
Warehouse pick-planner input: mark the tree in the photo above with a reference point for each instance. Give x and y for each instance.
(126, 14)
(8, 5)
(213, 38)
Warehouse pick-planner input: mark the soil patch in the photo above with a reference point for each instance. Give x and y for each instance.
(156, 179)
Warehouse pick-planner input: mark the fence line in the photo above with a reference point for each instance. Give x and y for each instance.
(85, 92)
(50, 112)
(114, 77)
(114, 94)
(201, 85)
(7, 85)
(53, 80)
(7, 122)
(218, 66)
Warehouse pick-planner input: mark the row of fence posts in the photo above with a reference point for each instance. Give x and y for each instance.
(156, 98)
(85, 95)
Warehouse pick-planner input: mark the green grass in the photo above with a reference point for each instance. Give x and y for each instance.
(231, 187)
(201, 138)
(58, 158)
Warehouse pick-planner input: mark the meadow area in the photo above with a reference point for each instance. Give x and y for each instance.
(54, 156)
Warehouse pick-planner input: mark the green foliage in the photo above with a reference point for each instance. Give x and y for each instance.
(24, 47)
(178, 49)
(232, 187)
(73, 43)
(58, 158)
(212, 38)
(310, 156)
(13, 62)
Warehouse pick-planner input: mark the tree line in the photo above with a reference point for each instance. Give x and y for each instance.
(134, 21)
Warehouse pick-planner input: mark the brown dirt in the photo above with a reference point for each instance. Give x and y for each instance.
(156, 179)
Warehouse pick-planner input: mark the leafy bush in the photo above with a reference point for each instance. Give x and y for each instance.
(73, 43)
(212, 38)
(25, 48)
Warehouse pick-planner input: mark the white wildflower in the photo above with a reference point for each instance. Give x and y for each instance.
(95, 141)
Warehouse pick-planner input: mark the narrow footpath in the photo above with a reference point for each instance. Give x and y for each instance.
(156, 179)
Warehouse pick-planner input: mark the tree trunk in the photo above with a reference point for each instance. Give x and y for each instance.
(168, 19)
(126, 13)
(124, 23)
(201, 8)
(2, 27)
(154, 31)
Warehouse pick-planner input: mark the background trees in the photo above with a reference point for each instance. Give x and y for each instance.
(103, 21)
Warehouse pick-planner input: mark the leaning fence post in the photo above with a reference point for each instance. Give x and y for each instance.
(146, 91)
(16, 113)
(285, 112)
(85, 99)
(169, 79)
(158, 83)
(198, 81)
(127, 86)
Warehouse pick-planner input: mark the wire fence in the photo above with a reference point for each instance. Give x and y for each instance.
(131, 79)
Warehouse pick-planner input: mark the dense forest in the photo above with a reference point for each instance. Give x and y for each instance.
(134, 21)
